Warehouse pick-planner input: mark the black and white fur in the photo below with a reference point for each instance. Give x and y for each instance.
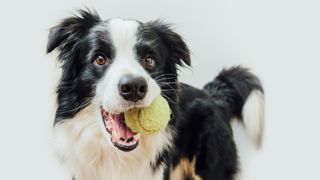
(198, 141)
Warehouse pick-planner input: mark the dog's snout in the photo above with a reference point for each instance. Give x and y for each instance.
(132, 88)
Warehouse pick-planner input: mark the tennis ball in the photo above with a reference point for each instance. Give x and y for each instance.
(149, 120)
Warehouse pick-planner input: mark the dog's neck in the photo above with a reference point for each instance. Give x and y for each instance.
(82, 147)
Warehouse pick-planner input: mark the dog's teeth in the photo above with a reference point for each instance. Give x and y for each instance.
(115, 136)
(136, 137)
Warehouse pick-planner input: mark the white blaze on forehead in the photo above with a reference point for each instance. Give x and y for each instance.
(123, 34)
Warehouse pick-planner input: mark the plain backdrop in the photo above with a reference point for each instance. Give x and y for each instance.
(278, 39)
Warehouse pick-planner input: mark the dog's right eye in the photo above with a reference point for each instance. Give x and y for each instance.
(149, 63)
(101, 61)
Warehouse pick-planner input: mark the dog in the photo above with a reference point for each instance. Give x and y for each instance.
(110, 66)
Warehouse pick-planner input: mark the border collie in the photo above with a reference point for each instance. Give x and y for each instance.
(110, 66)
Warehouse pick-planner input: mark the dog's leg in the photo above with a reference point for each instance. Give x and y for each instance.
(208, 150)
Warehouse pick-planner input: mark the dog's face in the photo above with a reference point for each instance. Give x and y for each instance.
(117, 65)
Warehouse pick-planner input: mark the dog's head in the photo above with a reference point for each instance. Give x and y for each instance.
(115, 64)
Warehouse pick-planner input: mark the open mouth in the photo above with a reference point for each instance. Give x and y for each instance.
(121, 136)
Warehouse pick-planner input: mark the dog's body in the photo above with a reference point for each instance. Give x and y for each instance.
(111, 66)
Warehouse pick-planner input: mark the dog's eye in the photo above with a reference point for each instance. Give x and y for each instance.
(149, 63)
(100, 60)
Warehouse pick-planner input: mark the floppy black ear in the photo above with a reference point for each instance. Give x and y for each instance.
(71, 30)
(174, 41)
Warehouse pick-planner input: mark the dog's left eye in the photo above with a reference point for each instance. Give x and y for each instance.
(101, 61)
(149, 63)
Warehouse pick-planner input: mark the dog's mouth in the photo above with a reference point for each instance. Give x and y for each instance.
(121, 136)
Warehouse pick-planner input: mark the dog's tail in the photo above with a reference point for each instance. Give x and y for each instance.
(242, 94)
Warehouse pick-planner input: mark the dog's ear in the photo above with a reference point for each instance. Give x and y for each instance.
(71, 30)
(174, 41)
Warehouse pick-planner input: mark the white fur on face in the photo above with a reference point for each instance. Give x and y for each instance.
(125, 62)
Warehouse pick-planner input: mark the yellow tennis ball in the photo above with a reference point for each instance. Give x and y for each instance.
(149, 120)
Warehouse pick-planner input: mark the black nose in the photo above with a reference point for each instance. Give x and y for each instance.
(132, 88)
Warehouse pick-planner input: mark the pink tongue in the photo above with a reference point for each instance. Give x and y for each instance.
(122, 131)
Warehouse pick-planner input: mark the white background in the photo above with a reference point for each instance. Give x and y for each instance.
(278, 39)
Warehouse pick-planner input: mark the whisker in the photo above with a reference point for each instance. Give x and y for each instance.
(168, 99)
(168, 88)
(162, 79)
(162, 82)
(166, 75)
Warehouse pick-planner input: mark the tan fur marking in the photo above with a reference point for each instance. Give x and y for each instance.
(185, 170)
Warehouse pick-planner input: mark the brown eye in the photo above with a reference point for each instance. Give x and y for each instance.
(100, 61)
(150, 63)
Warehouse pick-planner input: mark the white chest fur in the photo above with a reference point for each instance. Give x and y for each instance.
(83, 149)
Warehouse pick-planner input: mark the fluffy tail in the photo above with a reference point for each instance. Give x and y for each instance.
(241, 93)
